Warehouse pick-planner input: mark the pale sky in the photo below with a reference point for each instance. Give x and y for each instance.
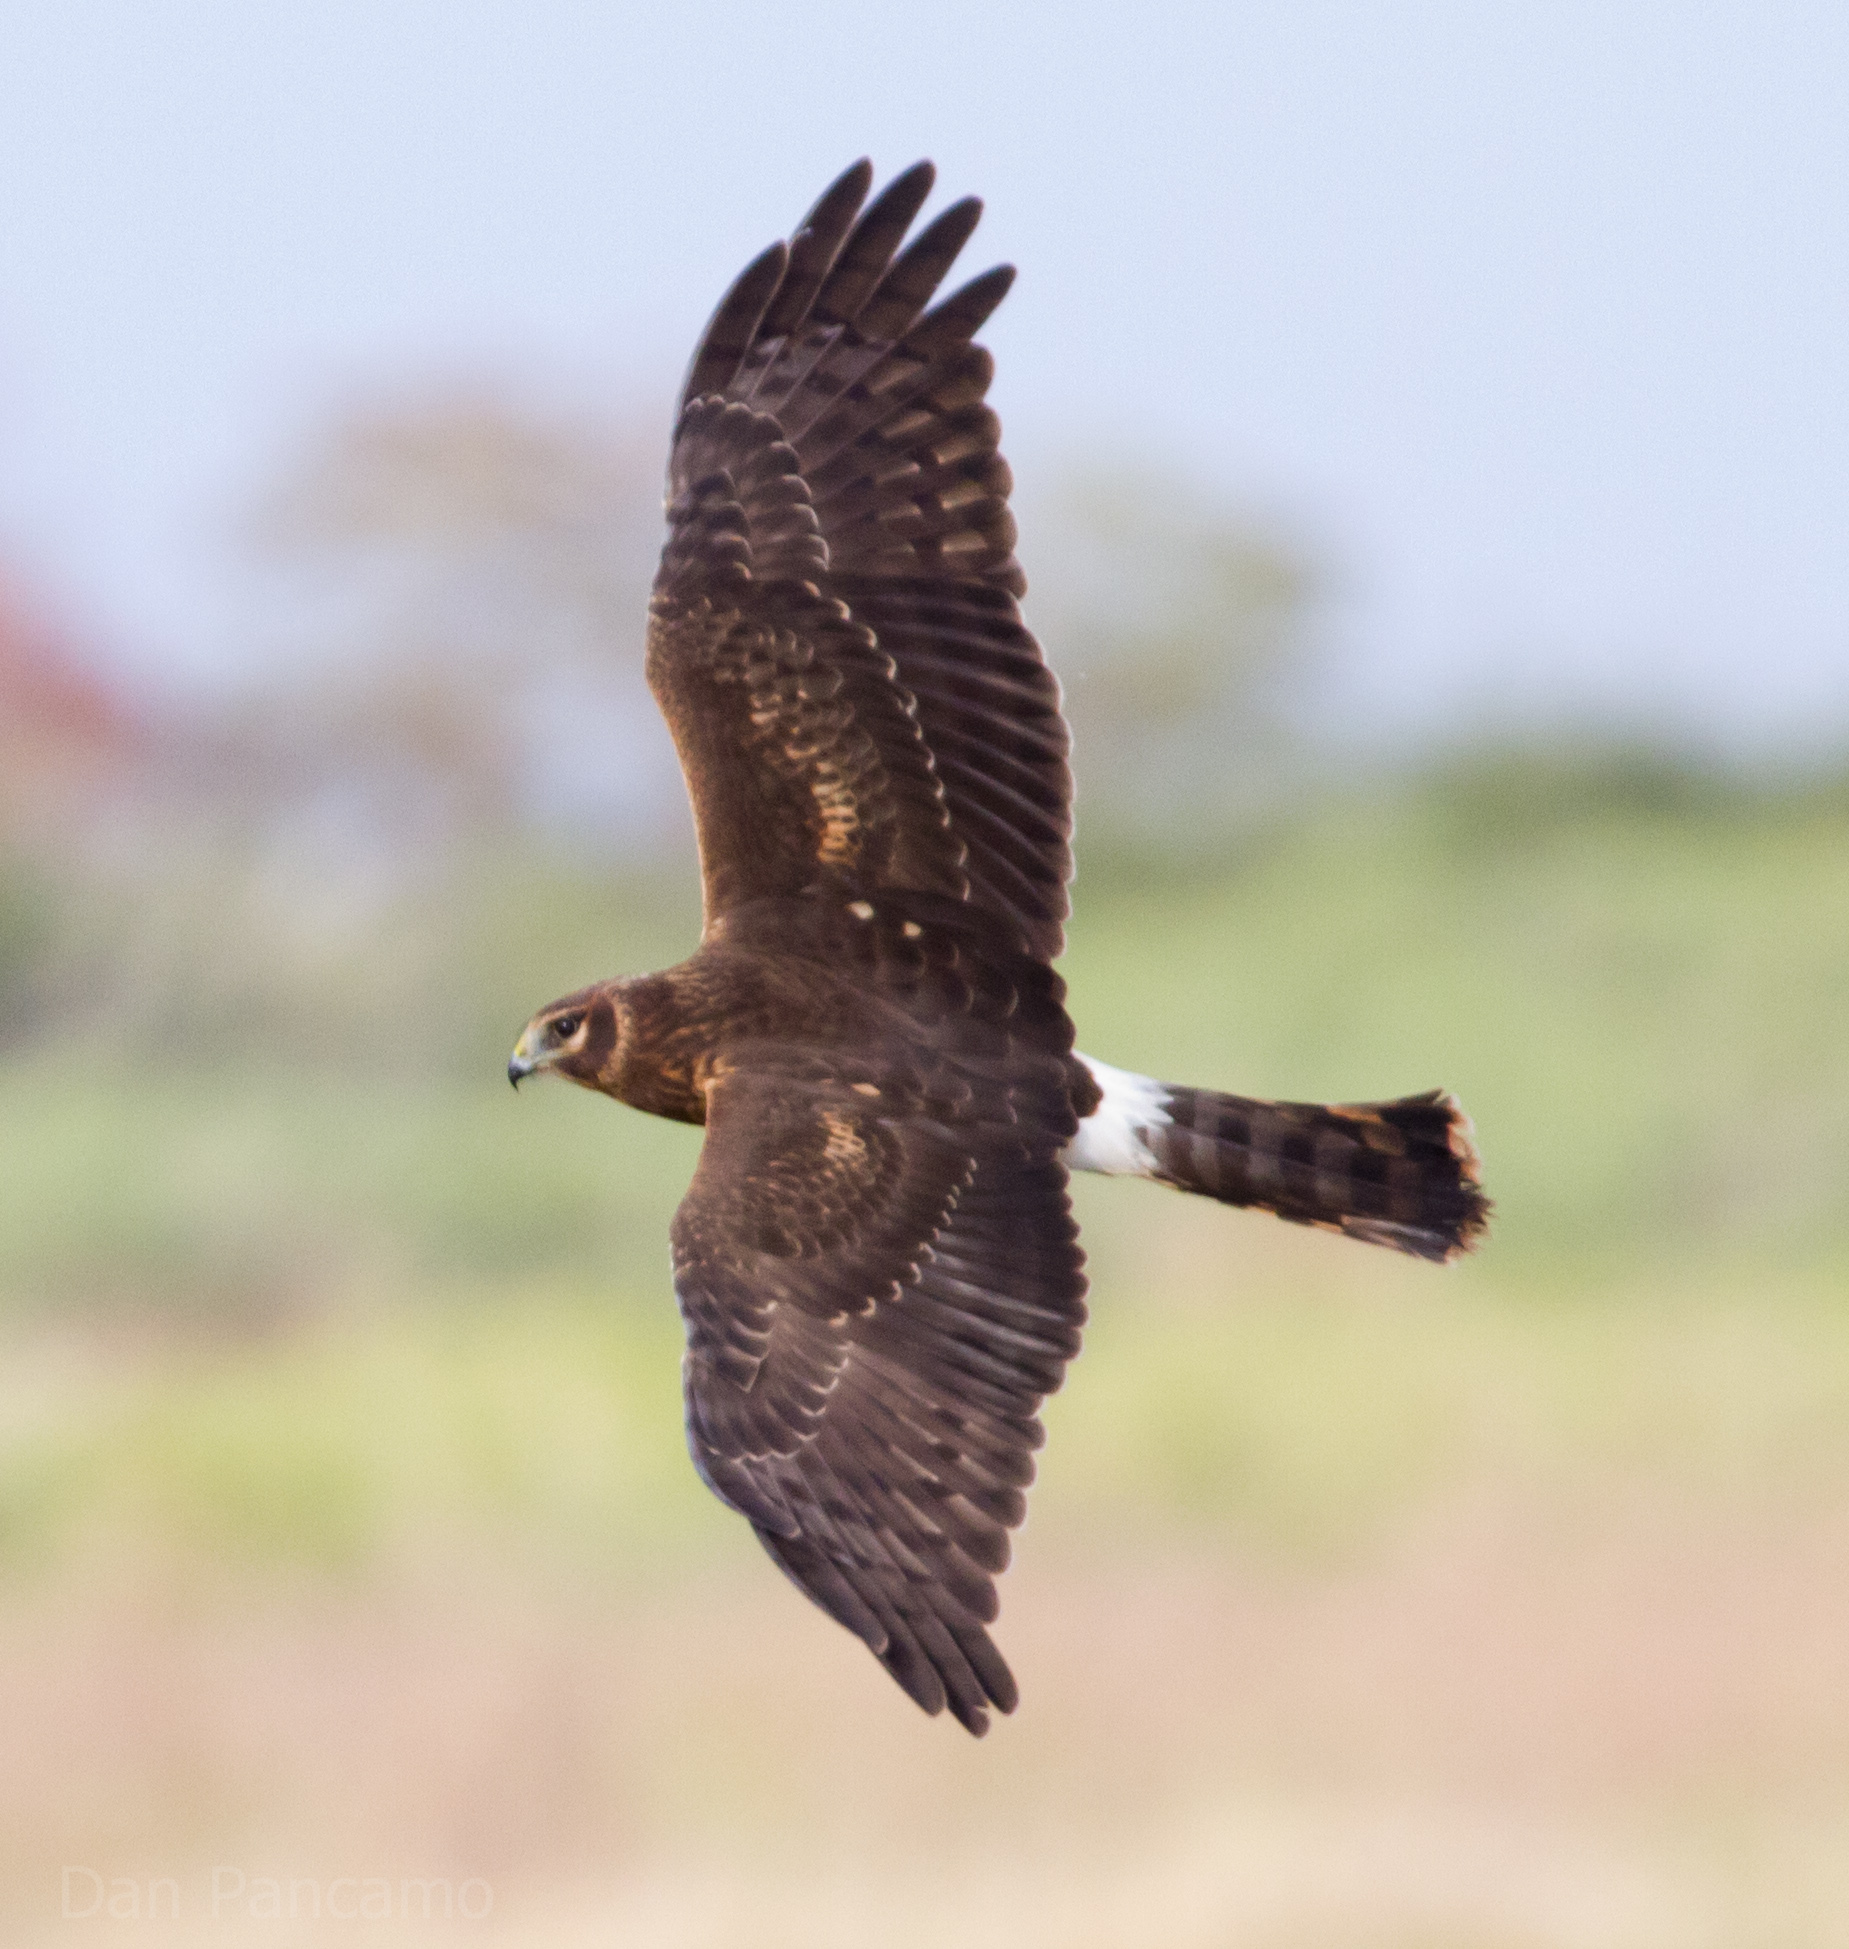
(1533, 320)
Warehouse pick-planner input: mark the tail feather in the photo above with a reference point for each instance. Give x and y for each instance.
(1403, 1174)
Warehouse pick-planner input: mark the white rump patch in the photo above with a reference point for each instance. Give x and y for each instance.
(1112, 1139)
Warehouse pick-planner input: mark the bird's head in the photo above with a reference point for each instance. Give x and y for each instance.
(575, 1038)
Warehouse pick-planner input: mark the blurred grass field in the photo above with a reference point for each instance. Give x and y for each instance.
(346, 1525)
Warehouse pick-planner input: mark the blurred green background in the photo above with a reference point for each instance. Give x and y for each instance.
(345, 1516)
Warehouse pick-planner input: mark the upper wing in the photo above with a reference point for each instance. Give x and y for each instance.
(836, 476)
(876, 1301)
(803, 757)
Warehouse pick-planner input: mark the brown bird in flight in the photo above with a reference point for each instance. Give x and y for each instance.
(876, 1262)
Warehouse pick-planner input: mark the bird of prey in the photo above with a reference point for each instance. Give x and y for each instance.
(876, 1262)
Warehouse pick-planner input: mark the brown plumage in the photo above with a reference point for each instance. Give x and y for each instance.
(876, 1261)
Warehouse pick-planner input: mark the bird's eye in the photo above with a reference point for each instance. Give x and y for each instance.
(566, 1027)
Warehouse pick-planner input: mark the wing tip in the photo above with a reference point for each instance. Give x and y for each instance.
(734, 323)
(919, 179)
(834, 210)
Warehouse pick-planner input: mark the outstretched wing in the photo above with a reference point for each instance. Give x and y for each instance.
(881, 1279)
(836, 639)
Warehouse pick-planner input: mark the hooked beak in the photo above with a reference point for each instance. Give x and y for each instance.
(525, 1059)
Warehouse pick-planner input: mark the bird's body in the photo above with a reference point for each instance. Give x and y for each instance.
(876, 1261)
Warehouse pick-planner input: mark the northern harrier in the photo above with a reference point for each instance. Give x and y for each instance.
(877, 1263)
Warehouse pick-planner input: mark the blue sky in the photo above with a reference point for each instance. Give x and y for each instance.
(1534, 321)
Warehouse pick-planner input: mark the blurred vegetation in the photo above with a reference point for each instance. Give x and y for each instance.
(1179, 629)
(454, 586)
(276, 1126)
(252, 1082)
(440, 581)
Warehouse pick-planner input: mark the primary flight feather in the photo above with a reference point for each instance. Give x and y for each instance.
(876, 1261)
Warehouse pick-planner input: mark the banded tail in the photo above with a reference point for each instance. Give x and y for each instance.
(1404, 1174)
